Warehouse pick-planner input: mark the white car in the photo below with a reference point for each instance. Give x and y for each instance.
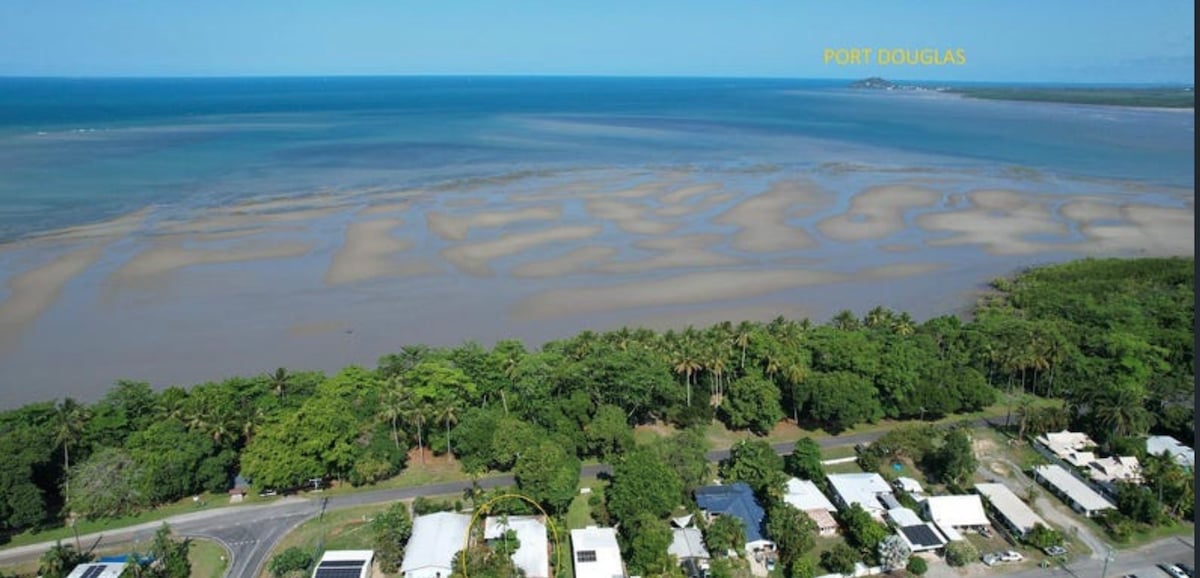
(990, 559)
(1010, 556)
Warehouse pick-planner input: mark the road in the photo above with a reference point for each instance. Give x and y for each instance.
(250, 532)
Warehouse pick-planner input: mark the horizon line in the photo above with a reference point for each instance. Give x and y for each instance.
(1179, 83)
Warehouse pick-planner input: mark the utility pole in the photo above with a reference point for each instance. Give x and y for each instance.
(1109, 557)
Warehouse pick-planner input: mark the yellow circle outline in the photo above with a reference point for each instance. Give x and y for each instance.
(487, 505)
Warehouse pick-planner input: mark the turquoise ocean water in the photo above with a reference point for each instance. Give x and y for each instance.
(74, 151)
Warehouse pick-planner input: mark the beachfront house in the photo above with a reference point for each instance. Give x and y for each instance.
(805, 496)
(435, 539)
(596, 554)
(737, 499)
(867, 490)
(533, 553)
(344, 564)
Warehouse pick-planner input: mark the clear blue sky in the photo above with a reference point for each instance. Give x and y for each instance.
(1004, 40)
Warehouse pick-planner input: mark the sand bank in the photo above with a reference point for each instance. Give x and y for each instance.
(877, 212)
(628, 217)
(1000, 221)
(36, 290)
(703, 205)
(221, 221)
(674, 253)
(692, 288)
(159, 260)
(475, 258)
(575, 261)
(1145, 230)
(118, 227)
(369, 251)
(456, 227)
(762, 219)
(382, 209)
(683, 194)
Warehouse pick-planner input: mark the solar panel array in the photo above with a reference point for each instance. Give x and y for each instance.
(94, 571)
(340, 569)
(921, 535)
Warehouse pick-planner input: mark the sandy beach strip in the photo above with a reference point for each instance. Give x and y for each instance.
(998, 220)
(1145, 230)
(113, 228)
(693, 208)
(475, 258)
(691, 288)
(164, 258)
(684, 194)
(896, 271)
(456, 227)
(762, 219)
(38, 289)
(220, 222)
(628, 217)
(877, 213)
(674, 253)
(369, 251)
(575, 261)
(382, 209)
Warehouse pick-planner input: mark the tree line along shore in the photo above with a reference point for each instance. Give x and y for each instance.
(1108, 342)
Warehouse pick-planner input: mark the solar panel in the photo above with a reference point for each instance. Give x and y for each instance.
(342, 564)
(94, 571)
(921, 535)
(323, 572)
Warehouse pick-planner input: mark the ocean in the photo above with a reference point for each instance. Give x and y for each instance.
(75, 151)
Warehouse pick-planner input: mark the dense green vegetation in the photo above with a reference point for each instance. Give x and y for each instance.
(1111, 338)
(1145, 97)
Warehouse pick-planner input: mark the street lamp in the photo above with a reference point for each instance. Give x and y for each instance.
(1109, 557)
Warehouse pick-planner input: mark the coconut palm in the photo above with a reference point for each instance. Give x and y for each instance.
(70, 420)
(392, 407)
(448, 414)
(279, 382)
(741, 338)
(415, 413)
(845, 320)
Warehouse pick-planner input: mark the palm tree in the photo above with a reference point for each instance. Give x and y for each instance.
(392, 406)
(449, 416)
(70, 420)
(1119, 409)
(684, 362)
(741, 338)
(845, 320)
(279, 382)
(904, 325)
(415, 413)
(879, 316)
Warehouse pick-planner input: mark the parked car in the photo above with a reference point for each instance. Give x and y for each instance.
(1187, 569)
(1010, 556)
(990, 559)
(267, 493)
(1173, 570)
(1054, 550)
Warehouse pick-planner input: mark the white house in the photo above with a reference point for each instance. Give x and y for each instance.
(344, 564)
(533, 554)
(902, 517)
(957, 512)
(98, 570)
(1075, 493)
(687, 543)
(436, 538)
(862, 489)
(1072, 447)
(1011, 512)
(806, 497)
(596, 554)
(1184, 456)
(1116, 469)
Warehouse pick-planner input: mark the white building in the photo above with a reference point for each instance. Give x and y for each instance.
(1117, 469)
(1072, 447)
(687, 543)
(596, 554)
(533, 554)
(964, 511)
(344, 564)
(862, 489)
(902, 517)
(1071, 490)
(436, 538)
(1010, 511)
(909, 486)
(1184, 456)
(98, 570)
(805, 495)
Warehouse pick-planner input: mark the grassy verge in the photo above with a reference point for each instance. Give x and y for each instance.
(340, 529)
(208, 559)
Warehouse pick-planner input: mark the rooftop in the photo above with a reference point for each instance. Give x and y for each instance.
(687, 543)
(804, 495)
(1074, 489)
(1183, 455)
(1010, 506)
(922, 537)
(344, 564)
(736, 499)
(532, 555)
(957, 511)
(97, 570)
(902, 517)
(861, 489)
(436, 538)
(596, 554)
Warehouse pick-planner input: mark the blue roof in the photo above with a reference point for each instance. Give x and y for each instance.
(736, 499)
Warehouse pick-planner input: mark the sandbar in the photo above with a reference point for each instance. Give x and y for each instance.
(1146, 230)
(628, 217)
(36, 290)
(456, 227)
(475, 258)
(369, 251)
(383, 209)
(674, 253)
(161, 259)
(684, 210)
(762, 218)
(221, 221)
(118, 227)
(574, 261)
(998, 220)
(877, 212)
(691, 288)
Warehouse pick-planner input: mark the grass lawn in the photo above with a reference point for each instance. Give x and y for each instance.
(579, 514)
(435, 470)
(340, 529)
(846, 468)
(208, 559)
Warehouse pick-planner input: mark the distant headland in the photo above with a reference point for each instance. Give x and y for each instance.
(1152, 97)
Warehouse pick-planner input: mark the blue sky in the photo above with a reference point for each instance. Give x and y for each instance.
(1004, 40)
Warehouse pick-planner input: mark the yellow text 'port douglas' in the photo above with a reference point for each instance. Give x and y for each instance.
(896, 56)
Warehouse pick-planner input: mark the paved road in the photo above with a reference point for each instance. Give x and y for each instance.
(1140, 562)
(250, 532)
